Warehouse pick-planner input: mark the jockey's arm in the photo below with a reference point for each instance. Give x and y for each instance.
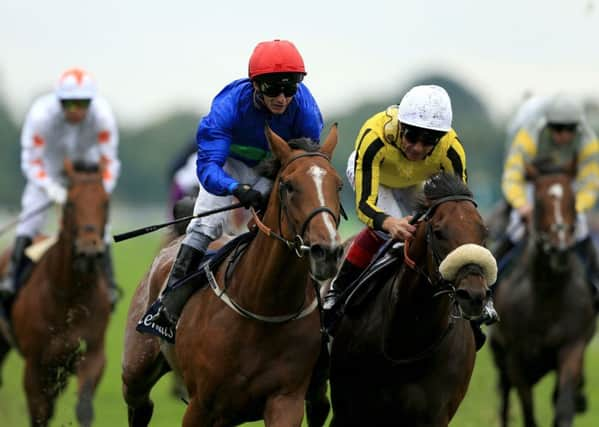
(34, 144)
(108, 140)
(369, 156)
(587, 178)
(513, 181)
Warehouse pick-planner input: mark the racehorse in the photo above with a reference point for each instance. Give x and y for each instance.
(247, 352)
(60, 315)
(403, 354)
(545, 305)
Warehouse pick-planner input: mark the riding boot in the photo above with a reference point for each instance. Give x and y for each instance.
(9, 284)
(115, 292)
(588, 254)
(347, 274)
(176, 293)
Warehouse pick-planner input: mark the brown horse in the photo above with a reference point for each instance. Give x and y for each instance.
(60, 315)
(546, 309)
(404, 354)
(247, 353)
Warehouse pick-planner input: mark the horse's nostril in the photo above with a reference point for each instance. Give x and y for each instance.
(317, 251)
(462, 294)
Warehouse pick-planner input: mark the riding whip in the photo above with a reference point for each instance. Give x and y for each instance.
(151, 228)
(26, 216)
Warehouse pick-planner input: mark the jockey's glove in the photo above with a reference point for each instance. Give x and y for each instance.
(248, 196)
(56, 192)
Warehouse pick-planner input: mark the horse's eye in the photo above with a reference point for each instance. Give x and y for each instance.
(286, 185)
(438, 234)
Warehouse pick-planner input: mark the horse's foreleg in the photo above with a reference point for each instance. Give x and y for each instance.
(4, 350)
(143, 365)
(317, 403)
(41, 393)
(526, 401)
(284, 411)
(89, 372)
(570, 362)
(504, 384)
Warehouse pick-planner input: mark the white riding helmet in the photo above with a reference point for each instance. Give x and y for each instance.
(427, 107)
(563, 109)
(75, 83)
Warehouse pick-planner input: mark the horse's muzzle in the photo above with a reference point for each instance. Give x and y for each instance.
(324, 260)
(472, 291)
(90, 248)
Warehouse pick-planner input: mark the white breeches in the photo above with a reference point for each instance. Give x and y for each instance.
(34, 197)
(397, 202)
(202, 231)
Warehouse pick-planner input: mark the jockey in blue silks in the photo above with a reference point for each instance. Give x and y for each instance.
(231, 142)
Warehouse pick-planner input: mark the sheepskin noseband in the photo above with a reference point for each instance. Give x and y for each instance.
(469, 253)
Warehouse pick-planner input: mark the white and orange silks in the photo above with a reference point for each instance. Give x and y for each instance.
(47, 138)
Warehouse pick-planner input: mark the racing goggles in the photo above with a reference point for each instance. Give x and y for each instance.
(427, 137)
(70, 103)
(273, 89)
(563, 127)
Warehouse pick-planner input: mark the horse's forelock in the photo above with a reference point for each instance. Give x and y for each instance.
(441, 185)
(269, 168)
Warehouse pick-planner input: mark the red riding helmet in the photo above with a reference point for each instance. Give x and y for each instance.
(277, 56)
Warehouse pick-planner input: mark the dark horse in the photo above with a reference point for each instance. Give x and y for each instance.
(60, 315)
(248, 352)
(405, 355)
(546, 309)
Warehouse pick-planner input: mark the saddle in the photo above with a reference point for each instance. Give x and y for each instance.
(388, 259)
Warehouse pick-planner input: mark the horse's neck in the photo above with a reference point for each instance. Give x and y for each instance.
(270, 272)
(411, 313)
(59, 266)
(59, 262)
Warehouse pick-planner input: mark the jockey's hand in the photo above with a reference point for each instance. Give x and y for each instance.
(248, 196)
(399, 228)
(525, 212)
(56, 192)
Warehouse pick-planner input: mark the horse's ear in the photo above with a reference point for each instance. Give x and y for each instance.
(68, 167)
(531, 172)
(331, 142)
(278, 145)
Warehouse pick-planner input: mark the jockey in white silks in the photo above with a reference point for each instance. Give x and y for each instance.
(72, 122)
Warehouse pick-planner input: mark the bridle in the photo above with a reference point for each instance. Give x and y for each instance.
(296, 243)
(443, 286)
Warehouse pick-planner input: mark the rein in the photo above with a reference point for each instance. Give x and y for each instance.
(446, 287)
(296, 244)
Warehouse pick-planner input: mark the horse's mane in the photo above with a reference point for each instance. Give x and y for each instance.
(269, 167)
(86, 167)
(546, 166)
(441, 185)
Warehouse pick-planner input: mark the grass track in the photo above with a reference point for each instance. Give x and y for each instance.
(133, 257)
